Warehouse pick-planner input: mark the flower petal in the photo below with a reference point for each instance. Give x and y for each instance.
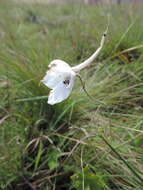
(57, 72)
(52, 78)
(61, 91)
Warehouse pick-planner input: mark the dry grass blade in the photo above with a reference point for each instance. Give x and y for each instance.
(3, 119)
(29, 184)
(125, 51)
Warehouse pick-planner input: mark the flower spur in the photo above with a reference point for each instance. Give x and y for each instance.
(60, 76)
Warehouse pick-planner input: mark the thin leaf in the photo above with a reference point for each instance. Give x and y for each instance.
(38, 158)
(125, 162)
(32, 99)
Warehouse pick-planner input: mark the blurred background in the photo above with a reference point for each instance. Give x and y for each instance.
(78, 144)
(81, 1)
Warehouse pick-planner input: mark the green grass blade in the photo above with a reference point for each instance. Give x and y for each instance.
(124, 161)
(32, 99)
(39, 154)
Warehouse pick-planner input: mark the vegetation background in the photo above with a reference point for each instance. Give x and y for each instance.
(77, 144)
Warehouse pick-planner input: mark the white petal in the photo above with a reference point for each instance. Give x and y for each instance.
(61, 92)
(52, 78)
(57, 72)
(57, 63)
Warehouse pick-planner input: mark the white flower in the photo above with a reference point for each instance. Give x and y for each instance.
(61, 76)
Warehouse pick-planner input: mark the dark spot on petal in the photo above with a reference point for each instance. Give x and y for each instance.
(66, 82)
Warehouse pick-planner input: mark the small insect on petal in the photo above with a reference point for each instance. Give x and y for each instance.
(66, 82)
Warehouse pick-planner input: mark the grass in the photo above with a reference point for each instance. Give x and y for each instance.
(77, 144)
